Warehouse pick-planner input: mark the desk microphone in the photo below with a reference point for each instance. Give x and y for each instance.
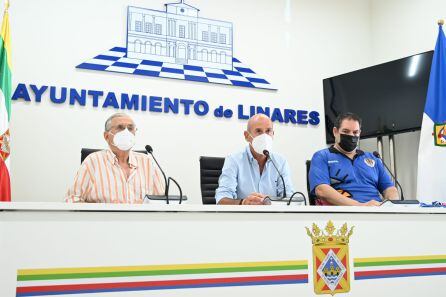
(376, 154)
(268, 156)
(166, 186)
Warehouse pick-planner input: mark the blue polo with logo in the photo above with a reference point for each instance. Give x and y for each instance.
(362, 178)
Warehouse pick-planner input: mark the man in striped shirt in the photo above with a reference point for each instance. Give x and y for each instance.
(116, 175)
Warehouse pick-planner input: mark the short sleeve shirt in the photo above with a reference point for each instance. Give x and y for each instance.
(362, 178)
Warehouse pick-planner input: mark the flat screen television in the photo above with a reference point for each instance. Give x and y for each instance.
(389, 97)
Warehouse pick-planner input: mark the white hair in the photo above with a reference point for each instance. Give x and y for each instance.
(108, 124)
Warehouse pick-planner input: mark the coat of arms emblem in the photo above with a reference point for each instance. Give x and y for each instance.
(440, 134)
(331, 273)
(4, 145)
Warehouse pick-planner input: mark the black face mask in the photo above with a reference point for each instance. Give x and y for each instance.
(348, 142)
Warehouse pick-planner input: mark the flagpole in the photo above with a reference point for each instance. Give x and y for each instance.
(432, 147)
(6, 10)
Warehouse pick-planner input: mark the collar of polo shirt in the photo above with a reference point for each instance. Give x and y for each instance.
(333, 150)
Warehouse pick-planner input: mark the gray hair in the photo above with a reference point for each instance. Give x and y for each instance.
(108, 124)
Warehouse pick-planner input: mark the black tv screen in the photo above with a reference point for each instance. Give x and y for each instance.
(388, 97)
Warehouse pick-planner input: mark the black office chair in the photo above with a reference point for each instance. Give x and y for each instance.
(311, 197)
(86, 151)
(210, 171)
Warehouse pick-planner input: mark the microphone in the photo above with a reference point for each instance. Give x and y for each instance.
(166, 186)
(376, 154)
(268, 156)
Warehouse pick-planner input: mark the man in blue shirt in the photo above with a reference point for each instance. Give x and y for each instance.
(345, 175)
(249, 176)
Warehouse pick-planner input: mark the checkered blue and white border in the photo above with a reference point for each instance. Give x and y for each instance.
(114, 60)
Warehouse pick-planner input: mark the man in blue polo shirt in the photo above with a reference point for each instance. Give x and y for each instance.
(249, 176)
(345, 175)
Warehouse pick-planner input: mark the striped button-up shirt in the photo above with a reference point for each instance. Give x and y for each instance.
(101, 179)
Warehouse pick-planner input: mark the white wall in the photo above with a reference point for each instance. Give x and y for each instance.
(294, 44)
(401, 28)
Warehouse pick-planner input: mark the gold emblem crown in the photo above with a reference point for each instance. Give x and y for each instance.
(331, 235)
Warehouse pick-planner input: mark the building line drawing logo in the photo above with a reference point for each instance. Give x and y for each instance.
(178, 43)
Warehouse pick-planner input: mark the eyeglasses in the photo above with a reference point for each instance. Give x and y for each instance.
(119, 128)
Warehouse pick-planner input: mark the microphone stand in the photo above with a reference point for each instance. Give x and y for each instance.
(268, 156)
(301, 194)
(376, 154)
(166, 184)
(178, 186)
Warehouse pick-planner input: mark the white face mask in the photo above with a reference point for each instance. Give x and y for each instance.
(123, 140)
(261, 143)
